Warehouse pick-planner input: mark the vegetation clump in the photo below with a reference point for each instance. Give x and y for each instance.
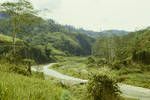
(103, 87)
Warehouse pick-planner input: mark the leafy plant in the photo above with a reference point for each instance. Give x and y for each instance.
(103, 87)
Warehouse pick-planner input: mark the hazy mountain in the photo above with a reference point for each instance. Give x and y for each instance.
(94, 34)
(113, 32)
(107, 33)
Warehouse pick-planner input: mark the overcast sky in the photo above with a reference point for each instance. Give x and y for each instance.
(98, 14)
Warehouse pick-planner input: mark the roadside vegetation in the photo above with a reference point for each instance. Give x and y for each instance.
(81, 68)
(14, 86)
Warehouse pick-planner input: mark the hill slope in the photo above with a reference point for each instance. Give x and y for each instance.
(14, 86)
(47, 33)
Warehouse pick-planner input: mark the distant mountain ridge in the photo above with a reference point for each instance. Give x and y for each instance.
(114, 32)
(95, 34)
(103, 33)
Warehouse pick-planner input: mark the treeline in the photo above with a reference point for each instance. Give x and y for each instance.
(134, 46)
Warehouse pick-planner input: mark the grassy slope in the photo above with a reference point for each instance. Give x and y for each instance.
(17, 87)
(8, 39)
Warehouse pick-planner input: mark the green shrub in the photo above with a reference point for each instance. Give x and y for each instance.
(103, 87)
(90, 60)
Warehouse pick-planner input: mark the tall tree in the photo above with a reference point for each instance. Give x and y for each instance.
(18, 12)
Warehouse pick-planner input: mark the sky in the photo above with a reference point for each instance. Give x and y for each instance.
(97, 15)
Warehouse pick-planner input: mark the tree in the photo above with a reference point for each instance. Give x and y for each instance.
(104, 48)
(18, 12)
(48, 52)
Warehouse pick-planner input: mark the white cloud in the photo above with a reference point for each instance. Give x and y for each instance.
(105, 14)
(46, 4)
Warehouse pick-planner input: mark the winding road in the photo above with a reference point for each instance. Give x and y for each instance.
(127, 90)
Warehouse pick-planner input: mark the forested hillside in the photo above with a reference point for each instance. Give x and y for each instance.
(23, 50)
(141, 49)
(47, 33)
(134, 46)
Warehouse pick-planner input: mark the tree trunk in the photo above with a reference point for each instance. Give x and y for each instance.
(29, 68)
(14, 43)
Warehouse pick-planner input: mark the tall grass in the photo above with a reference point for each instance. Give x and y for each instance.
(18, 87)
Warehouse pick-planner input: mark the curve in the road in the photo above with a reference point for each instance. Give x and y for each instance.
(127, 90)
(58, 75)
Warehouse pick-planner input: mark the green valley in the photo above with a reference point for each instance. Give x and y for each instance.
(41, 59)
